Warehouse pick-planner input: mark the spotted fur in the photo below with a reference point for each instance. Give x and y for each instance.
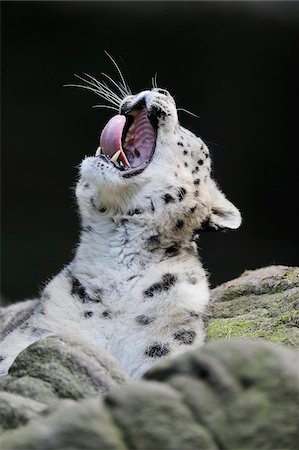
(136, 285)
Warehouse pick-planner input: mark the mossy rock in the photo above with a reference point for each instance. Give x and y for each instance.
(262, 303)
(57, 368)
(237, 394)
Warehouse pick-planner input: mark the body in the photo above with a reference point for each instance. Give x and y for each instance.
(136, 286)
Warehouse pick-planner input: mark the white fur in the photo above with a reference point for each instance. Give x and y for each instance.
(116, 257)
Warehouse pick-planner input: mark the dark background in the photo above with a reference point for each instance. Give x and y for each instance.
(234, 64)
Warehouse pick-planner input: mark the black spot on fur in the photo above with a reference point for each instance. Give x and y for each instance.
(195, 193)
(137, 211)
(195, 170)
(168, 198)
(21, 318)
(192, 280)
(180, 223)
(194, 314)
(38, 331)
(78, 289)
(2, 358)
(172, 250)
(144, 320)
(152, 206)
(92, 202)
(87, 229)
(107, 314)
(154, 240)
(86, 185)
(185, 164)
(103, 209)
(181, 193)
(185, 336)
(157, 350)
(97, 296)
(88, 314)
(200, 162)
(196, 182)
(168, 280)
(180, 144)
(192, 210)
(185, 152)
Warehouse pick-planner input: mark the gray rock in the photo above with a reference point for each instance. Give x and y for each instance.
(59, 368)
(245, 392)
(73, 425)
(237, 394)
(232, 394)
(262, 303)
(16, 410)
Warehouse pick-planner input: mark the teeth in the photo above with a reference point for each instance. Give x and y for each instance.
(99, 151)
(115, 156)
(129, 139)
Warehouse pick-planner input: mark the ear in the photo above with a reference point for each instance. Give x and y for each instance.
(224, 215)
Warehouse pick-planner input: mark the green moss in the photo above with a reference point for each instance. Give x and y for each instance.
(290, 319)
(226, 328)
(292, 275)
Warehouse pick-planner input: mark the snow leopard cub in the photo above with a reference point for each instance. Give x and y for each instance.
(136, 286)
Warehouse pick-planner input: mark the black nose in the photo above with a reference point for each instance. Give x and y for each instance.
(162, 91)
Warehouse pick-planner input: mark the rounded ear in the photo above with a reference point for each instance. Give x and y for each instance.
(224, 215)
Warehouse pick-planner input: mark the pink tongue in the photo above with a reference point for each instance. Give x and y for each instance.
(110, 140)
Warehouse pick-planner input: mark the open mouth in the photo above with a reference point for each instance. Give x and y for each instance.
(129, 141)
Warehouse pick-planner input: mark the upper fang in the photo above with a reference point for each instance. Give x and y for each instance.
(98, 152)
(115, 156)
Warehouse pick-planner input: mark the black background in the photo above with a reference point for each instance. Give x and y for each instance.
(235, 64)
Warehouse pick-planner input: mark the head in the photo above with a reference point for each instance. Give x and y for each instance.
(151, 169)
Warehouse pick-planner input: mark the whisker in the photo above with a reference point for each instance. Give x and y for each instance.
(125, 86)
(156, 80)
(103, 90)
(96, 91)
(106, 106)
(188, 112)
(119, 87)
(101, 86)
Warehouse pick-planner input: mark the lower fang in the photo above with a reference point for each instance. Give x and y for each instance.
(98, 152)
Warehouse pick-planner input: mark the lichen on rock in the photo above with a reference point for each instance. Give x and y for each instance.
(229, 394)
(263, 303)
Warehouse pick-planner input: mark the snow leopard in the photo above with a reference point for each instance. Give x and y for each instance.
(136, 285)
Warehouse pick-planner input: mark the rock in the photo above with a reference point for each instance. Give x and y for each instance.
(153, 415)
(262, 303)
(73, 425)
(59, 368)
(230, 394)
(16, 410)
(236, 394)
(245, 392)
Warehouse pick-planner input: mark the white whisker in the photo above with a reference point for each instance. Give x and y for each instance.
(125, 86)
(106, 106)
(154, 80)
(119, 87)
(102, 89)
(188, 112)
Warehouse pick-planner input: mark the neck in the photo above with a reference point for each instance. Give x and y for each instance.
(126, 244)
